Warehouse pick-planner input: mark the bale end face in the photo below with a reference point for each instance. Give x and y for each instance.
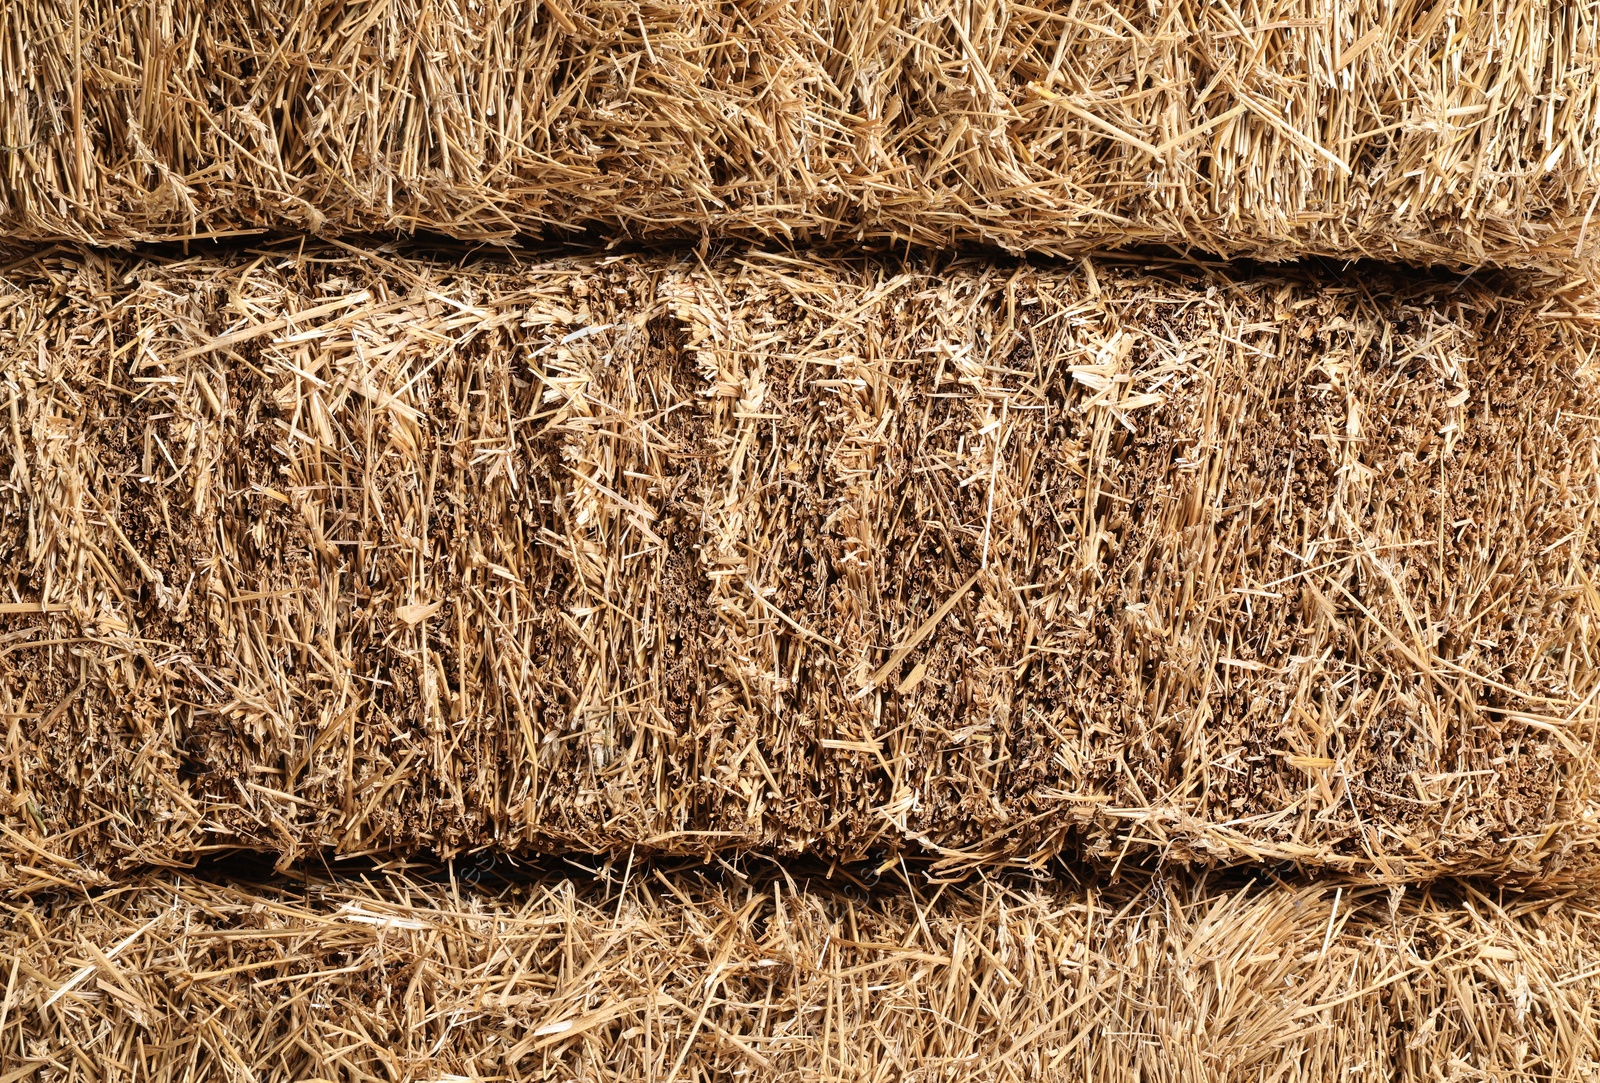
(843, 557)
(1433, 135)
(678, 976)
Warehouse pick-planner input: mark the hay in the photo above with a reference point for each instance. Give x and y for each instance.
(1434, 132)
(341, 551)
(683, 978)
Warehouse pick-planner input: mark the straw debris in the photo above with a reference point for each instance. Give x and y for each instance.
(321, 549)
(683, 978)
(1434, 132)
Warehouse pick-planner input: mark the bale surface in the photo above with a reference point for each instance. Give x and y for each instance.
(1426, 132)
(678, 977)
(309, 549)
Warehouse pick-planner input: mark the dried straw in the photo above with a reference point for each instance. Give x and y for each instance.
(314, 548)
(681, 978)
(1429, 132)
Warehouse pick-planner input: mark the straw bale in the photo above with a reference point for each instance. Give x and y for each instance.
(686, 978)
(316, 549)
(1429, 132)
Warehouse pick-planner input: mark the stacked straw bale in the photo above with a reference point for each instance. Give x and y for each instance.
(447, 561)
(317, 549)
(677, 977)
(1429, 132)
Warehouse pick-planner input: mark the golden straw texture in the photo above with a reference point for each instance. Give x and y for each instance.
(1424, 131)
(678, 977)
(315, 549)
